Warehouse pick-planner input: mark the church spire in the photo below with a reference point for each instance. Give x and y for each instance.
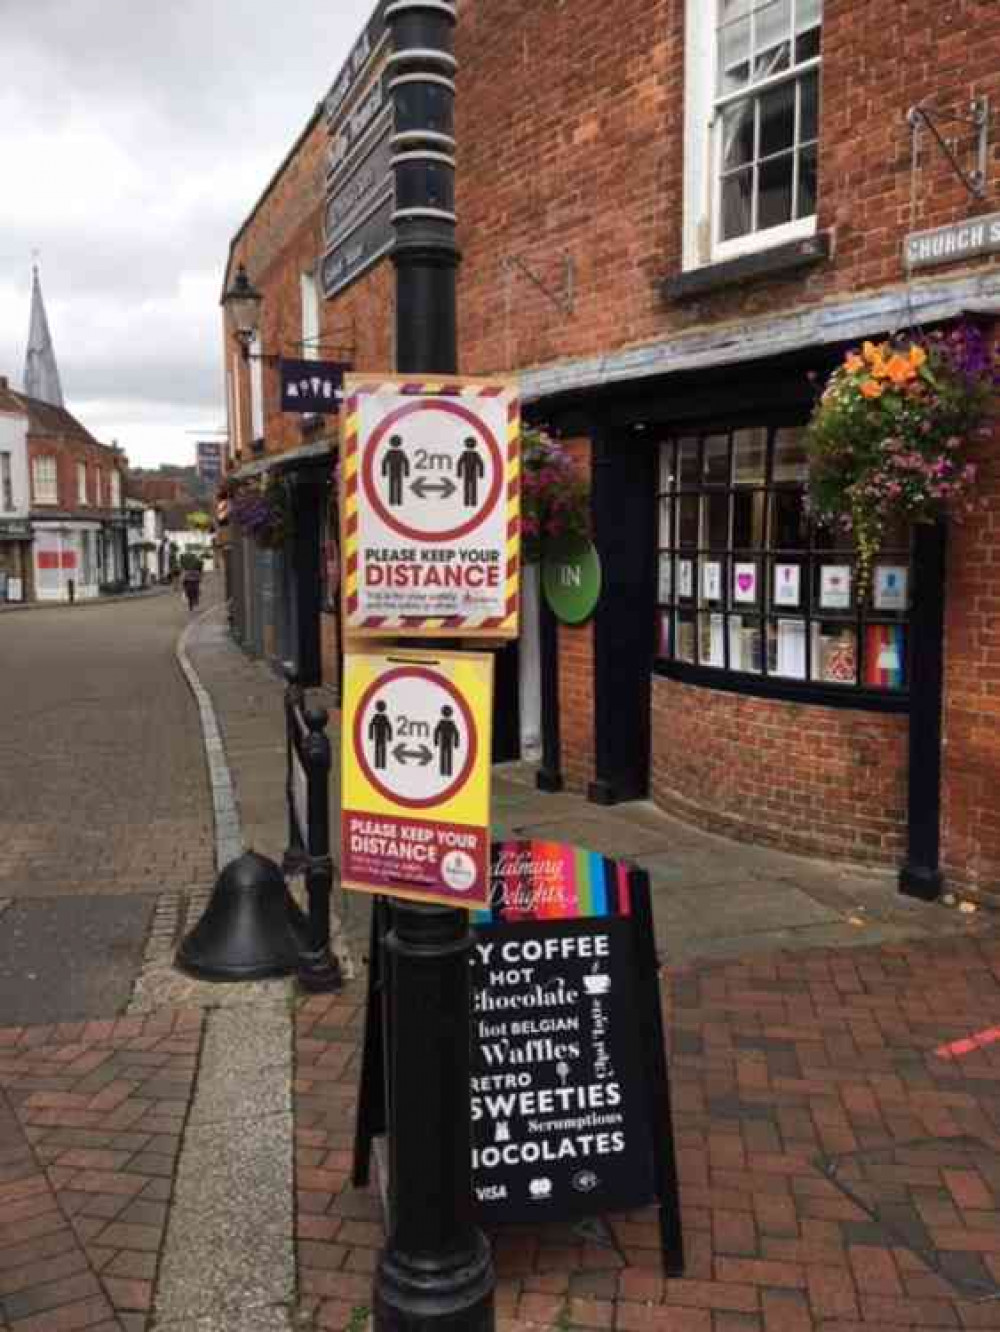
(41, 374)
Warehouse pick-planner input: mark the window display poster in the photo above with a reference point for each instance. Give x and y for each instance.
(790, 649)
(685, 578)
(884, 655)
(666, 579)
(890, 587)
(835, 587)
(787, 584)
(745, 582)
(664, 637)
(712, 581)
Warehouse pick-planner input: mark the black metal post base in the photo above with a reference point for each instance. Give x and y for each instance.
(921, 882)
(319, 972)
(549, 782)
(411, 1296)
(435, 1271)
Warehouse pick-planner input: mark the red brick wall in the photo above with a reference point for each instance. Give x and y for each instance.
(68, 451)
(811, 779)
(576, 705)
(971, 760)
(570, 142)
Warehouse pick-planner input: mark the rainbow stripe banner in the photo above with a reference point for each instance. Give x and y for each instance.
(540, 881)
(885, 656)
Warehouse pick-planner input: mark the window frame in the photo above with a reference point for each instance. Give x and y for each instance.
(816, 552)
(256, 362)
(702, 242)
(37, 486)
(310, 302)
(7, 481)
(81, 484)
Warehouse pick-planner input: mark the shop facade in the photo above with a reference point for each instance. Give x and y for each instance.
(79, 525)
(673, 251)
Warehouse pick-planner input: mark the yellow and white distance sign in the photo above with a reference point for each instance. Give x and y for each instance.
(416, 747)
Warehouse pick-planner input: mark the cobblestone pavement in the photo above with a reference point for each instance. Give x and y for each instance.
(103, 771)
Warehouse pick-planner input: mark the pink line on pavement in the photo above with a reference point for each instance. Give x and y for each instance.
(956, 1049)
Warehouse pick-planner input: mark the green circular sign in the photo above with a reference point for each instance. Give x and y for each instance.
(571, 581)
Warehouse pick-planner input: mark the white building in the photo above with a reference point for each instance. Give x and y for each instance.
(15, 498)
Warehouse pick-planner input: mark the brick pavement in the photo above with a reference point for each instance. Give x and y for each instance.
(836, 1173)
(91, 1118)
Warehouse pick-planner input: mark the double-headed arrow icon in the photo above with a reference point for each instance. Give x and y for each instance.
(423, 755)
(422, 487)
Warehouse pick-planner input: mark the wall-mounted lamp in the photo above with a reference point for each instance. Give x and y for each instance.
(243, 302)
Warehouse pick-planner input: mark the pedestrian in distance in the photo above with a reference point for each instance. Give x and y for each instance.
(191, 583)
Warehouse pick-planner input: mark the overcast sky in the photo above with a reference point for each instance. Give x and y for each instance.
(135, 137)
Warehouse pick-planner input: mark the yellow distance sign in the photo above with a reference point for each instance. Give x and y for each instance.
(416, 748)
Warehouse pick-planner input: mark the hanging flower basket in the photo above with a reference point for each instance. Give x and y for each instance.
(555, 499)
(263, 510)
(889, 438)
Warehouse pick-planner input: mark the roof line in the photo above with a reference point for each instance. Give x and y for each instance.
(304, 134)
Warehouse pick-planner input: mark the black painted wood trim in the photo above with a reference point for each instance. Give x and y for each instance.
(810, 694)
(921, 874)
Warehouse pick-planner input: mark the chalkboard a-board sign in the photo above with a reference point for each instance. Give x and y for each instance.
(569, 1098)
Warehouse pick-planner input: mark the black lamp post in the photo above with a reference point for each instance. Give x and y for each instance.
(435, 1271)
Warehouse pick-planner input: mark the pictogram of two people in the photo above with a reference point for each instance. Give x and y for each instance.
(470, 469)
(446, 737)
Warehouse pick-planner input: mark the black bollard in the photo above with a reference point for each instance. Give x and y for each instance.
(251, 927)
(319, 971)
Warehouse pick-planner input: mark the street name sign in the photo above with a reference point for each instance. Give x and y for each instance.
(953, 243)
(430, 507)
(358, 226)
(416, 775)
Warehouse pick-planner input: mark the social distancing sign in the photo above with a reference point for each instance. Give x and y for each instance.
(431, 507)
(416, 746)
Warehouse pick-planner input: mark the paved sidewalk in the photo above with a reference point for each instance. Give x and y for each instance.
(838, 1130)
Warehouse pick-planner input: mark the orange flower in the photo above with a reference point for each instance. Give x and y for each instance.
(899, 370)
(871, 389)
(872, 353)
(917, 356)
(853, 363)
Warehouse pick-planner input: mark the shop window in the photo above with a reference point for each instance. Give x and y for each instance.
(748, 586)
(752, 125)
(309, 292)
(44, 481)
(256, 389)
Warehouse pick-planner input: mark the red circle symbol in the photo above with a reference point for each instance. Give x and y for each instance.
(460, 778)
(451, 409)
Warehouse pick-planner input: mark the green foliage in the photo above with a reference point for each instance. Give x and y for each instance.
(888, 438)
